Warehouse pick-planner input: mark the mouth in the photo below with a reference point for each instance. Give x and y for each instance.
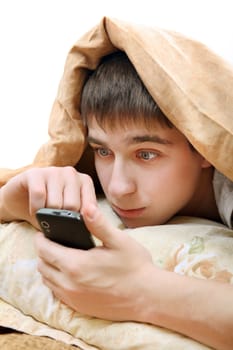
(128, 213)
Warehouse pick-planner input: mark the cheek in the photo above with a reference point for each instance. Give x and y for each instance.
(183, 176)
(178, 175)
(103, 173)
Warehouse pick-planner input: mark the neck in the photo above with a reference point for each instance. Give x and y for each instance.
(203, 204)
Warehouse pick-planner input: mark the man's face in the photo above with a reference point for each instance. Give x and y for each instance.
(148, 174)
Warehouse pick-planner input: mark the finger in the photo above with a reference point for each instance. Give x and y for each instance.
(55, 182)
(55, 254)
(48, 272)
(54, 288)
(45, 188)
(56, 291)
(48, 250)
(72, 189)
(100, 227)
(88, 196)
(37, 192)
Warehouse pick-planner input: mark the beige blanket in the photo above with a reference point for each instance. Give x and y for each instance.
(191, 84)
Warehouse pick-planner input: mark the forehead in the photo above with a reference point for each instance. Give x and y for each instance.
(124, 120)
(124, 123)
(134, 132)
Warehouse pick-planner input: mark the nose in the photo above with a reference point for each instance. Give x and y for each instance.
(121, 181)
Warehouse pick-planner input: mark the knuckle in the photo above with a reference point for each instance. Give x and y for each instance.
(37, 193)
(86, 179)
(69, 170)
(73, 273)
(74, 269)
(30, 172)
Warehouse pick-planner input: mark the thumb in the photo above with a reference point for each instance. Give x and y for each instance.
(100, 227)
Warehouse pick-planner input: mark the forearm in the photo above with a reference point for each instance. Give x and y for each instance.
(197, 308)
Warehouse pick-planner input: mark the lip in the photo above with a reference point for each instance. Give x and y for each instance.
(128, 213)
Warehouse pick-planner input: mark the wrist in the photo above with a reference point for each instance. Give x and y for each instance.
(151, 303)
(148, 303)
(167, 299)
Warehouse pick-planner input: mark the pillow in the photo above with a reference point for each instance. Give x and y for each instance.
(189, 246)
(191, 84)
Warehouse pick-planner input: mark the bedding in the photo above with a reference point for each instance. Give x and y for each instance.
(189, 246)
(10, 339)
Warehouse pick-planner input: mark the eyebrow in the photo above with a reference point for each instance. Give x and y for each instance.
(150, 138)
(136, 139)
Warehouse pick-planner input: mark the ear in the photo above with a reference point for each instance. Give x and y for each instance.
(205, 163)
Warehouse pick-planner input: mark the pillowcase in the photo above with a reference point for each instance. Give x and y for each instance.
(188, 246)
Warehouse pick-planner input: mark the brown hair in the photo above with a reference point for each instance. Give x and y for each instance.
(114, 94)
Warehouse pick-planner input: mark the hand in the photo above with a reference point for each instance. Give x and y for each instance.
(107, 281)
(55, 187)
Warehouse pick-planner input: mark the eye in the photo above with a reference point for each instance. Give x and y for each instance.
(147, 155)
(102, 152)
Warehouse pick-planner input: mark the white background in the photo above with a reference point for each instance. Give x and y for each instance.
(36, 35)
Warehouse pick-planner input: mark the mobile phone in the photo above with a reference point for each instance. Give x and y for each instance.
(65, 227)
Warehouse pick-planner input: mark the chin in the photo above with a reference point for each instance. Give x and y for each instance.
(136, 223)
(140, 222)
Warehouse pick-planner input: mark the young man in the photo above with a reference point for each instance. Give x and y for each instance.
(149, 172)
